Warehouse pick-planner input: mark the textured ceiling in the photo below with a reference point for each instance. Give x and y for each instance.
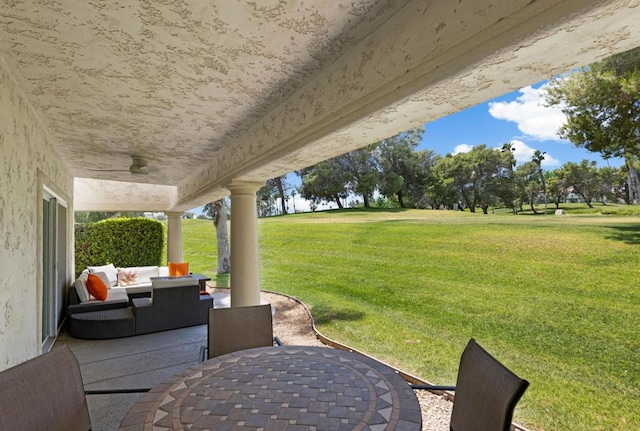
(214, 90)
(172, 81)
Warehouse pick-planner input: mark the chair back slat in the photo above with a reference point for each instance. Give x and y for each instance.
(45, 393)
(238, 328)
(486, 392)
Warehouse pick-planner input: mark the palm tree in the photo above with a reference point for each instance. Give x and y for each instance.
(293, 200)
(537, 158)
(509, 148)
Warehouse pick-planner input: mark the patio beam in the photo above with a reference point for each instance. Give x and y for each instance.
(428, 60)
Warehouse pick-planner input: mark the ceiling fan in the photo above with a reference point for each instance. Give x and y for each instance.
(139, 166)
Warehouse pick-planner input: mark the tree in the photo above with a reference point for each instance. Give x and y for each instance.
(531, 184)
(275, 187)
(293, 200)
(508, 193)
(265, 201)
(606, 190)
(399, 165)
(420, 177)
(626, 193)
(556, 187)
(267, 197)
(602, 106)
(583, 179)
(537, 158)
(219, 213)
(325, 182)
(363, 170)
(479, 176)
(440, 189)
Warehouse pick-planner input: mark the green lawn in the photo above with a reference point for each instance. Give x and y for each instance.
(553, 297)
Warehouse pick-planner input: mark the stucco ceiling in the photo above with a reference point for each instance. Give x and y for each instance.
(210, 90)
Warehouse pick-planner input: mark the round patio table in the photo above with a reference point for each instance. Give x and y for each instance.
(280, 388)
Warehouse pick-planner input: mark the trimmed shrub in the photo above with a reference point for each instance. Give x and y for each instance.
(125, 242)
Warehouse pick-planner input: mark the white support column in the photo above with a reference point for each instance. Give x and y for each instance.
(245, 261)
(174, 236)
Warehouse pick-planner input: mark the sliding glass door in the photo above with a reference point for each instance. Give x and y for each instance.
(54, 266)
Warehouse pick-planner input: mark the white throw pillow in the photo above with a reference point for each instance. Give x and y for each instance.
(146, 272)
(81, 287)
(127, 276)
(110, 270)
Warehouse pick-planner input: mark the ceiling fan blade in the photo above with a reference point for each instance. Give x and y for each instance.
(139, 166)
(138, 170)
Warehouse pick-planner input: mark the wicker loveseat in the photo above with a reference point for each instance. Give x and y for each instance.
(169, 303)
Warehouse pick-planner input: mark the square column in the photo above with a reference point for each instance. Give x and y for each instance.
(245, 260)
(174, 236)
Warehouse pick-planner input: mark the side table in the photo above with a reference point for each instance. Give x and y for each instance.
(202, 279)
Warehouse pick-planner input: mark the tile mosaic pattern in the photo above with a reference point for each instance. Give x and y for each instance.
(280, 388)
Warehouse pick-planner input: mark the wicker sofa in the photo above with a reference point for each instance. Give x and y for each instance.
(167, 303)
(119, 295)
(123, 280)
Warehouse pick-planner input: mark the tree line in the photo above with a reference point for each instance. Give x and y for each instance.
(479, 179)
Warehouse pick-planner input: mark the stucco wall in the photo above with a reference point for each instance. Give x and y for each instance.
(27, 161)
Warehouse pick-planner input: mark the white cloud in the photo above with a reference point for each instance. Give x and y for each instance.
(523, 153)
(531, 116)
(462, 148)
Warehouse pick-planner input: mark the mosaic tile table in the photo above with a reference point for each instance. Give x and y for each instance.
(290, 388)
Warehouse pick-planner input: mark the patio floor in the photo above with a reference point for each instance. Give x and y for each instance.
(133, 362)
(145, 360)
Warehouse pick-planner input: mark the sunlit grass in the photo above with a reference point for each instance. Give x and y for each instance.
(553, 297)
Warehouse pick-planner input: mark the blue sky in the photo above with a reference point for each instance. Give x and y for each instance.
(519, 117)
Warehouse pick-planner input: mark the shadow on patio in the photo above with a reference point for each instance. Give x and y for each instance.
(133, 362)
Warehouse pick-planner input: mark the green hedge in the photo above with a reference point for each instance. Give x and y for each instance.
(125, 242)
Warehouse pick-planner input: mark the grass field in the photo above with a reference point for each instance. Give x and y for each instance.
(553, 297)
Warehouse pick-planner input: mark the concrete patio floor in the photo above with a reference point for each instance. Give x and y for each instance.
(133, 362)
(144, 361)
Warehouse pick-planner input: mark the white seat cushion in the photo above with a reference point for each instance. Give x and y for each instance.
(146, 272)
(81, 286)
(110, 270)
(186, 280)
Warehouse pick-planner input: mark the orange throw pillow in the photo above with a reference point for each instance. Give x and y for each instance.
(96, 287)
(178, 269)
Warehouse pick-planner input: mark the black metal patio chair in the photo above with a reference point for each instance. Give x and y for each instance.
(46, 393)
(486, 392)
(238, 328)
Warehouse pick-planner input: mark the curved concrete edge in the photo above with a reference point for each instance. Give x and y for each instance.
(410, 378)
